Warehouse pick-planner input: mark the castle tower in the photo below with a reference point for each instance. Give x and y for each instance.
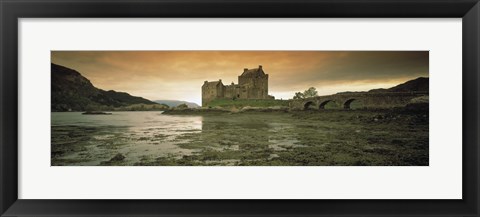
(212, 90)
(255, 83)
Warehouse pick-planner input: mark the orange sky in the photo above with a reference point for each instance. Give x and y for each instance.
(179, 75)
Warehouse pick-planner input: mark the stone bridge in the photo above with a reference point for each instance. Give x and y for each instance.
(368, 100)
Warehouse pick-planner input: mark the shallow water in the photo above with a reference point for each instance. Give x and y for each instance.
(145, 135)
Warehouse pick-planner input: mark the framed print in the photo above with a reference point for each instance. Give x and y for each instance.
(229, 108)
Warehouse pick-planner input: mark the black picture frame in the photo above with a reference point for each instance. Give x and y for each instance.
(12, 10)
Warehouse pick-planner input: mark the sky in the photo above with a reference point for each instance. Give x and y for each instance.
(179, 75)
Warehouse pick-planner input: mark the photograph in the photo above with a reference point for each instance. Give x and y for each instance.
(239, 108)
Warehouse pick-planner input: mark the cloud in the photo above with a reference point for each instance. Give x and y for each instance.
(180, 74)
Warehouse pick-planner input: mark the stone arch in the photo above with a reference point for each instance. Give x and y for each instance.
(322, 104)
(347, 103)
(307, 104)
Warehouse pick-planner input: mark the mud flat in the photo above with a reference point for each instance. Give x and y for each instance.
(264, 138)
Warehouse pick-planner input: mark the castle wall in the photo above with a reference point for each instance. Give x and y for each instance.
(233, 91)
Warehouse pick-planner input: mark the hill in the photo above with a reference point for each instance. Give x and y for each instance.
(419, 84)
(174, 103)
(73, 92)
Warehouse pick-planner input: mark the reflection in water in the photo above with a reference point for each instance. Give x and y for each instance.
(279, 139)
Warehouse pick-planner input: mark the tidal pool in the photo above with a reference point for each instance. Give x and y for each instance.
(242, 139)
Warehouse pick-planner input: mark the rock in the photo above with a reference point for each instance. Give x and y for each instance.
(421, 99)
(234, 110)
(417, 106)
(118, 157)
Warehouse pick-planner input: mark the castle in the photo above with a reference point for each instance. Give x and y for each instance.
(252, 84)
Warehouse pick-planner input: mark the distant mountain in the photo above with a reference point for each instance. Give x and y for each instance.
(419, 84)
(174, 103)
(73, 92)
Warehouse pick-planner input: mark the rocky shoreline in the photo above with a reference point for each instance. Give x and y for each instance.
(414, 107)
(202, 110)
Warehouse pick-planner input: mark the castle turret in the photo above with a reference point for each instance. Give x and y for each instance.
(255, 82)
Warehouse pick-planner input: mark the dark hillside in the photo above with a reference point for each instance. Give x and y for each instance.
(419, 84)
(73, 92)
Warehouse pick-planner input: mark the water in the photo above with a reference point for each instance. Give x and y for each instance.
(144, 136)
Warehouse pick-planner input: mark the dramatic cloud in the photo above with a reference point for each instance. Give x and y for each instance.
(180, 74)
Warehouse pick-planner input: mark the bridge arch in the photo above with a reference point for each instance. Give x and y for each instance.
(322, 104)
(346, 104)
(308, 104)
